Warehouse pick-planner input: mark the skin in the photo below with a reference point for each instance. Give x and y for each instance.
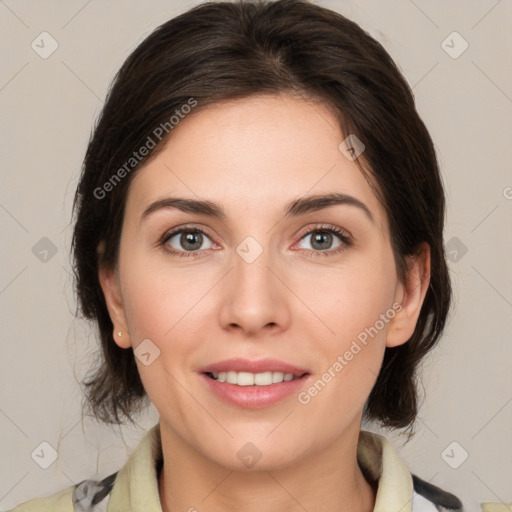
(253, 156)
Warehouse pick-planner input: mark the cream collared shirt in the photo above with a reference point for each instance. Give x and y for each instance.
(135, 486)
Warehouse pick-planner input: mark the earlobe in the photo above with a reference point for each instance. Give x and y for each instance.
(109, 282)
(410, 295)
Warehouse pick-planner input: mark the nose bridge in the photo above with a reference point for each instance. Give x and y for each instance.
(254, 282)
(255, 296)
(252, 268)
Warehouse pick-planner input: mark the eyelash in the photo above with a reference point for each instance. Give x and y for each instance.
(341, 234)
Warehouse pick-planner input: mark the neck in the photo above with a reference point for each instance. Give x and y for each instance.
(330, 480)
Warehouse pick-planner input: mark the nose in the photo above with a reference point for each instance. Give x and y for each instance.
(254, 297)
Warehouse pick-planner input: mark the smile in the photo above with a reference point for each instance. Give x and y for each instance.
(253, 379)
(253, 384)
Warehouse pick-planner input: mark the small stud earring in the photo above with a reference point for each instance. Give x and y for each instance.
(119, 333)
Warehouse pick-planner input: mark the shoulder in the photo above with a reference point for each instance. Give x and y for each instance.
(430, 498)
(381, 463)
(60, 502)
(90, 495)
(82, 497)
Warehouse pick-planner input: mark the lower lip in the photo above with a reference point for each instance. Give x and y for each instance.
(254, 397)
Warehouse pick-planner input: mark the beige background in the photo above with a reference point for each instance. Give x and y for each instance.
(48, 107)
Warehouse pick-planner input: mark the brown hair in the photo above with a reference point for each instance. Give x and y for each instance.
(225, 50)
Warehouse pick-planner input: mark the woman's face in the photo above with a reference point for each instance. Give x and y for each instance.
(253, 290)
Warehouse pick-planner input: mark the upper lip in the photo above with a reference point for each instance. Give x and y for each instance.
(259, 366)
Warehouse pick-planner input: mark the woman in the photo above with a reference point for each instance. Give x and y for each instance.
(259, 237)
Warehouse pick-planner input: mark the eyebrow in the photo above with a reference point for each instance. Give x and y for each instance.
(295, 208)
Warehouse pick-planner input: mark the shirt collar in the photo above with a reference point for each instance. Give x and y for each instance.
(379, 460)
(136, 485)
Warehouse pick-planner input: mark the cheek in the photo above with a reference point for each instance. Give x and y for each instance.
(155, 296)
(162, 306)
(168, 306)
(351, 297)
(354, 304)
(149, 305)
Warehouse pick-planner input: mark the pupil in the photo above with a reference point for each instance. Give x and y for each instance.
(322, 237)
(188, 238)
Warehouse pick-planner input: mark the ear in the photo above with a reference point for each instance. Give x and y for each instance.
(410, 295)
(109, 281)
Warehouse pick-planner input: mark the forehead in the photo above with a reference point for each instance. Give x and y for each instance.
(253, 154)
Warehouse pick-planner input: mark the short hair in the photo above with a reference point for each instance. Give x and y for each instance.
(227, 50)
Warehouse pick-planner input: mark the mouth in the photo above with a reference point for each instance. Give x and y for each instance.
(253, 384)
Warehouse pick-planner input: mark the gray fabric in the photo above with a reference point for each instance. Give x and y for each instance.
(88, 493)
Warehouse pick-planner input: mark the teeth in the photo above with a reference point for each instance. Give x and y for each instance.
(263, 379)
(253, 379)
(277, 377)
(244, 379)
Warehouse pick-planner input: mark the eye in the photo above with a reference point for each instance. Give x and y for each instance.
(322, 239)
(190, 241)
(186, 240)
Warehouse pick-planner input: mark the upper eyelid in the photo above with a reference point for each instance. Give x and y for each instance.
(327, 227)
(174, 231)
